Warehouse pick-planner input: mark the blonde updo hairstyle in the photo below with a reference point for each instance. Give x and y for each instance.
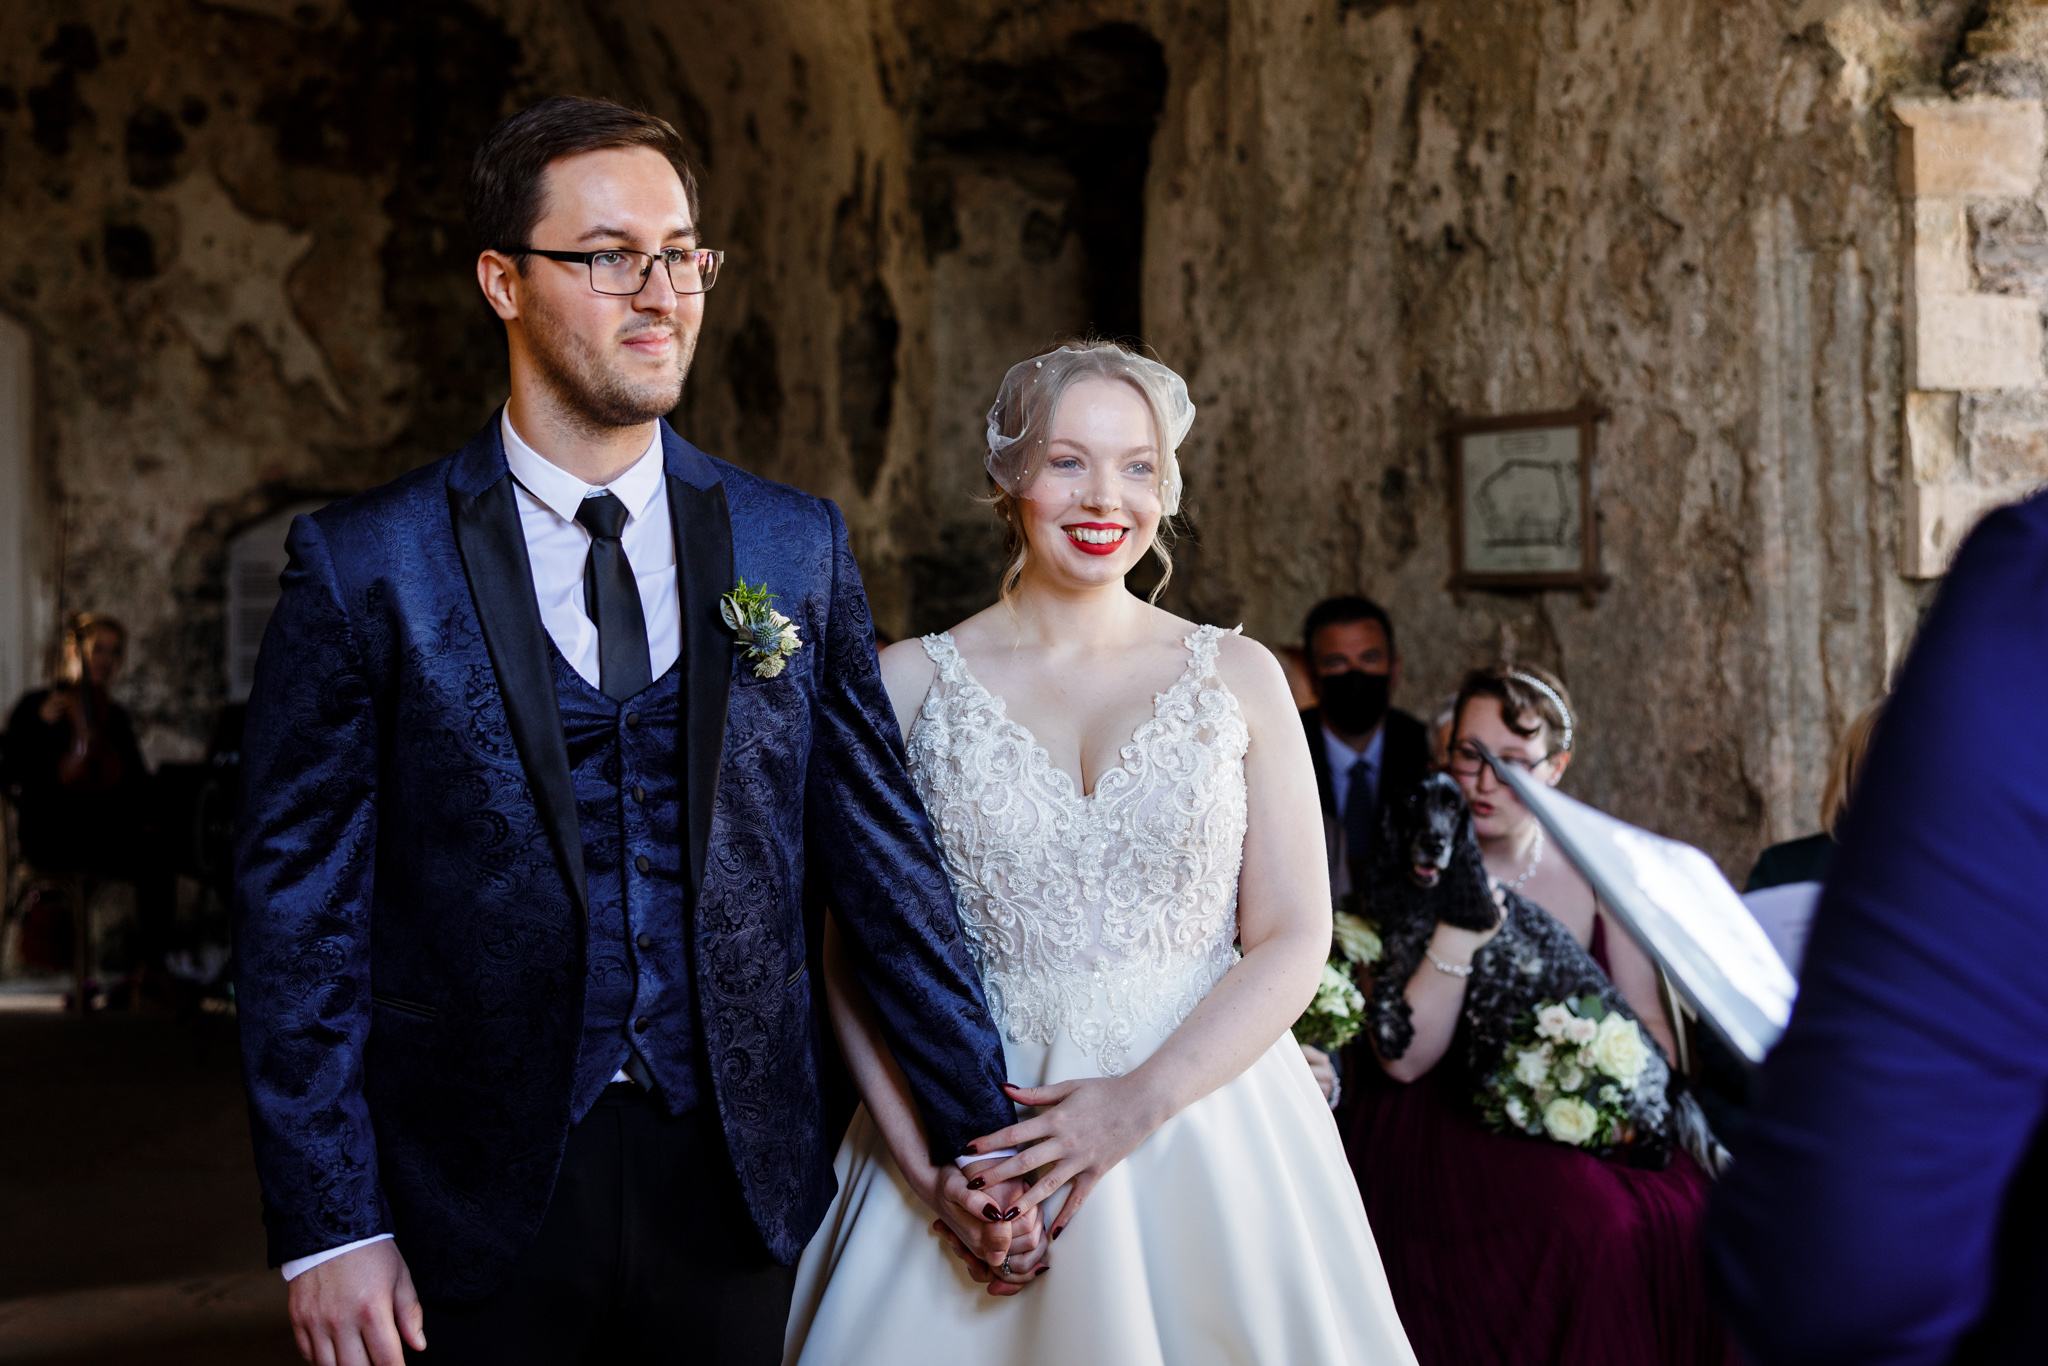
(1021, 420)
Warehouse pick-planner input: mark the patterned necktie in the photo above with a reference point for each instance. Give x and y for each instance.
(1358, 812)
(612, 598)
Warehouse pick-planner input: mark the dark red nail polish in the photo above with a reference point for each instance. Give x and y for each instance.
(970, 1150)
(1058, 1231)
(975, 1184)
(992, 1214)
(1041, 1271)
(1011, 1215)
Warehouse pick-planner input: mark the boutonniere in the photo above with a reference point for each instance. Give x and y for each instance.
(764, 635)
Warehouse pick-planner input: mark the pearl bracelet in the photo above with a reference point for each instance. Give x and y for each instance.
(1448, 969)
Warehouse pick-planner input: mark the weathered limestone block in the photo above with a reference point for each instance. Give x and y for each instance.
(1973, 149)
(1931, 437)
(1941, 246)
(1968, 169)
(1937, 517)
(1975, 341)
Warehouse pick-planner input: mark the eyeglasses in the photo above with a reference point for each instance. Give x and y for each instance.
(1466, 761)
(623, 273)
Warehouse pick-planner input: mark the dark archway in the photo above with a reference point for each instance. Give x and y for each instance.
(1091, 106)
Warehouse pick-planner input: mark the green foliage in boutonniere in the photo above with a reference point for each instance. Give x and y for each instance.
(765, 636)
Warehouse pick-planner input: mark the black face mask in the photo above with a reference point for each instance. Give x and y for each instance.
(1353, 702)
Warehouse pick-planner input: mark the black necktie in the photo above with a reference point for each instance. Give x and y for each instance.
(612, 598)
(1358, 813)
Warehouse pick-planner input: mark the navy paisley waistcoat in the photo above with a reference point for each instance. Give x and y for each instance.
(636, 969)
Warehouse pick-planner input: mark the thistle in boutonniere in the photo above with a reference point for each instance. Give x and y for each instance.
(765, 636)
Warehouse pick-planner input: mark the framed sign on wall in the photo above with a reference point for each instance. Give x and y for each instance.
(1522, 511)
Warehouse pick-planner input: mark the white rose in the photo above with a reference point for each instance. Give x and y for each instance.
(1570, 1078)
(1552, 1022)
(1581, 1030)
(1531, 1068)
(1570, 1120)
(1338, 994)
(1357, 938)
(1518, 1113)
(1610, 1095)
(1618, 1049)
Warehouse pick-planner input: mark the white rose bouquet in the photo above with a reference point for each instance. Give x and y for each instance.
(1334, 1017)
(1569, 1074)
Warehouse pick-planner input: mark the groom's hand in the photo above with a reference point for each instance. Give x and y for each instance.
(353, 1310)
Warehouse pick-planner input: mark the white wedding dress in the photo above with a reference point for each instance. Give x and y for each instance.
(1234, 1234)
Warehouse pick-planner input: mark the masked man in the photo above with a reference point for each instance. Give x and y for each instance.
(1364, 751)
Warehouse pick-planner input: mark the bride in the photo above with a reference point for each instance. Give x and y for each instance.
(1125, 802)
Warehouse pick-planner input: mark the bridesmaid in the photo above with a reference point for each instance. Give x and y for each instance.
(1501, 1248)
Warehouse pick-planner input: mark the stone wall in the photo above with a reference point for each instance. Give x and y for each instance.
(233, 231)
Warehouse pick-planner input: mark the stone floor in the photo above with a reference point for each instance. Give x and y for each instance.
(128, 1197)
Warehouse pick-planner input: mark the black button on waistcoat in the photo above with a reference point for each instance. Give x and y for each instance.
(632, 720)
(640, 1025)
(645, 941)
(641, 863)
(639, 793)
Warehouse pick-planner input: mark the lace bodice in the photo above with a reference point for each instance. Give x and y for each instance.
(1111, 914)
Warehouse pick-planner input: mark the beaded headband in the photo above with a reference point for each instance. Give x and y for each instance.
(1562, 710)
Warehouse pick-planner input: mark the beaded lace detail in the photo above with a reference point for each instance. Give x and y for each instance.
(1110, 914)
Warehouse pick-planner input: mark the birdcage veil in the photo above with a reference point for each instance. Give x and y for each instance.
(1031, 393)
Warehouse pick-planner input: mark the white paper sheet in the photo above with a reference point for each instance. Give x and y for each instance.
(1673, 899)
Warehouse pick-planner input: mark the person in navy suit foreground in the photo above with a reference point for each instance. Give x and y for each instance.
(1889, 1201)
(545, 737)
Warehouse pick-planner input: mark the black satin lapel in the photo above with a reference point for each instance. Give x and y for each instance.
(493, 550)
(703, 531)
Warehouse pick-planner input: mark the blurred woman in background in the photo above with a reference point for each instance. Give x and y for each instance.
(1500, 1247)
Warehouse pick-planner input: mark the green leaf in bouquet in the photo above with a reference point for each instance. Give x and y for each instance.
(1334, 1017)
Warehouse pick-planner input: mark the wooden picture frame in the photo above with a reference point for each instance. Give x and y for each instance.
(1523, 516)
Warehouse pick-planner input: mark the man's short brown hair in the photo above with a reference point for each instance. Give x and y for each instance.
(507, 177)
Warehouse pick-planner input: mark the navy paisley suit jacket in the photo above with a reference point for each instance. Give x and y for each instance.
(409, 882)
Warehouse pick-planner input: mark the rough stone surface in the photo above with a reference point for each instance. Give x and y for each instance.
(234, 231)
(1976, 342)
(1969, 149)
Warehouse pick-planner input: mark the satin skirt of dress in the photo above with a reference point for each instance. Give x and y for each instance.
(1233, 1236)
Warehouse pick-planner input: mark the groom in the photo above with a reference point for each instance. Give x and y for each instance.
(523, 992)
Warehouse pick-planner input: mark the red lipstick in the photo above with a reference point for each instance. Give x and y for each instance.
(1101, 538)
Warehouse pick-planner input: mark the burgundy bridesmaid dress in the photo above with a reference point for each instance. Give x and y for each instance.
(1504, 1250)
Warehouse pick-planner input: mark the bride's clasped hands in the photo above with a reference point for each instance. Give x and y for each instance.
(988, 1226)
(1083, 1128)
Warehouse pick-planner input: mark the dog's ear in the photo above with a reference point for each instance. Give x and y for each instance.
(1468, 899)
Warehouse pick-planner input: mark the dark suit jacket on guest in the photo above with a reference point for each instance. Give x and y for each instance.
(1801, 860)
(409, 883)
(1404, 762)
(1889, 1203)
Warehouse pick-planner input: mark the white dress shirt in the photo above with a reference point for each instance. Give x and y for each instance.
(557, 547)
